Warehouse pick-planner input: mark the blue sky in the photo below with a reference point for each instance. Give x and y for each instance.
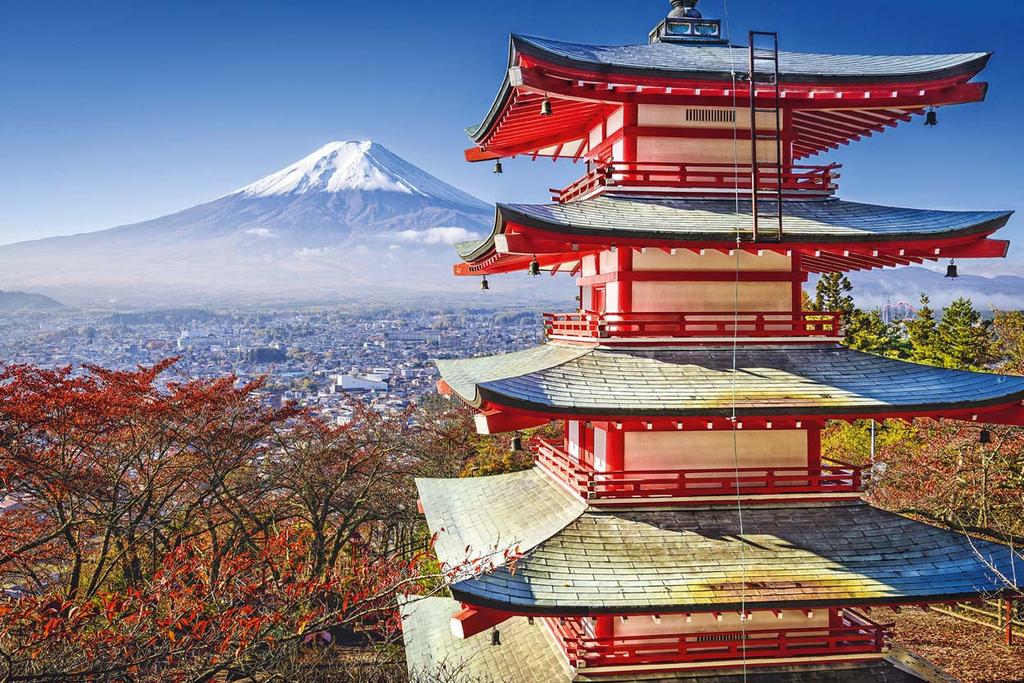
(118, 111)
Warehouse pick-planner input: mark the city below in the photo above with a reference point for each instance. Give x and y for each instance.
(315, 358)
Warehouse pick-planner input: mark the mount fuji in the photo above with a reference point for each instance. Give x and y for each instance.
(350, 220)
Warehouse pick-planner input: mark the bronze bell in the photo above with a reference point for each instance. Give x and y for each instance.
(545, 107)
(497, 167)
(534, 267)
(495, 637)
(931, 118)
(517, 443)
(951, 271)
(484, 284)
(985, 437)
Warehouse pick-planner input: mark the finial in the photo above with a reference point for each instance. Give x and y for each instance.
(682, 9)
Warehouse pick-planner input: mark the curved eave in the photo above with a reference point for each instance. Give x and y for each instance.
(537, 233)
(793, 556)
(969, 65)
(522, 49)
(507, 214)
(567, 381)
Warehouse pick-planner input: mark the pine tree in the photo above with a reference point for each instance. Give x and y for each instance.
(921, 332)
(832, 294)
(867, 331)
(963, 339)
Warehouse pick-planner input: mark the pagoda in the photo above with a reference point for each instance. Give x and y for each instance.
(686, 525)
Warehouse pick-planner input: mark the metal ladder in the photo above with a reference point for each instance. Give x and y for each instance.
(764, 71)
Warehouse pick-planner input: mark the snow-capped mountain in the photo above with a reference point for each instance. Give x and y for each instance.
(343, 219)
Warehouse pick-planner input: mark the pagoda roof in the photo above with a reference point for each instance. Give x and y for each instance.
(690, 559)
(567, 379)
(528, 654)
(587, 80)
(718, 62)
(819, 223)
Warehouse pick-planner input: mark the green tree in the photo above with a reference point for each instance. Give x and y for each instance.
(832, 294)
(922, 334)
(1009, 332)
(963, 339)
(867, 331)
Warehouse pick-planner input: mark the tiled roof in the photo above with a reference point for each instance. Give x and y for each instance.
(526, 654)
(819, 220)
(697, 559)
(509, 511)
(699, 381)
(720, 61)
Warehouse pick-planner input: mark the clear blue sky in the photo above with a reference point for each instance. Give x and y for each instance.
(117, 111)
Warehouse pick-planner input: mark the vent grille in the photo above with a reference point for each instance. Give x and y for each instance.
(711, 116)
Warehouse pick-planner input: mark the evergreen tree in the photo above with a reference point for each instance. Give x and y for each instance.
(963, 339)
(832, 294)
(921, 333)
(867, 331)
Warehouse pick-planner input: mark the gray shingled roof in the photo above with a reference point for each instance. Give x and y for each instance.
(623, 561)
(797, 380)
(717, 63)
(527, 654)
(820, 220)
(522, 510)
(704, 61)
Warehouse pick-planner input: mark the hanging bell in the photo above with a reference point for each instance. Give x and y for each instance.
(495, 637)
(545, 107)
(534, 267)
(951, 271)
(484, 284)
(517, 443)
(498, 170)
(931, 118)
(985, 438)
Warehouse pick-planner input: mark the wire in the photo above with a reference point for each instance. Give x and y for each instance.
(736, 342)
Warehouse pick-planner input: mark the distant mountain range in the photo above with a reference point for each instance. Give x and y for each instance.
(352, 221)
(23, 301)
(875, 289)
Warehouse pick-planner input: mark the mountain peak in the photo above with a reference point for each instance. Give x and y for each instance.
(354, 165)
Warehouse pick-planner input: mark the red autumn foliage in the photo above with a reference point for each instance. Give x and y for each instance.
(186, 532)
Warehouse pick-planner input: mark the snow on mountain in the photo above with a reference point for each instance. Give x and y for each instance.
(360, 165)
(343, 219)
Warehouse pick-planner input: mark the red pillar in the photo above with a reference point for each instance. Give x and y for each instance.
(814, 445)
(624, 264)
(604, 627)
(615, 449)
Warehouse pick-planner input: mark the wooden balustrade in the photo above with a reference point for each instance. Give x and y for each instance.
(747, 325)
(699, 178)
(855, 635)
(830, 477)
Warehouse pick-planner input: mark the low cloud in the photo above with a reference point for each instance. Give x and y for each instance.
(437, 235)
(260, 232)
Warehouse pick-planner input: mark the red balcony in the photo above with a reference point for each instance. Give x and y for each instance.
(726, 483)
(811, 325)
(854, 635)
(703, 179)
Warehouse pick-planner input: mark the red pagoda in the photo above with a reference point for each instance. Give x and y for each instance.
(686, 526)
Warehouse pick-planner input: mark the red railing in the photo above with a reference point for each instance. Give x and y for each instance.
(856, 635)
(588, 324)
(831, 477)
(699, 178)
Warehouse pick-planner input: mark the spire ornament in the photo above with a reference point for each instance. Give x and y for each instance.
(684, 9)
